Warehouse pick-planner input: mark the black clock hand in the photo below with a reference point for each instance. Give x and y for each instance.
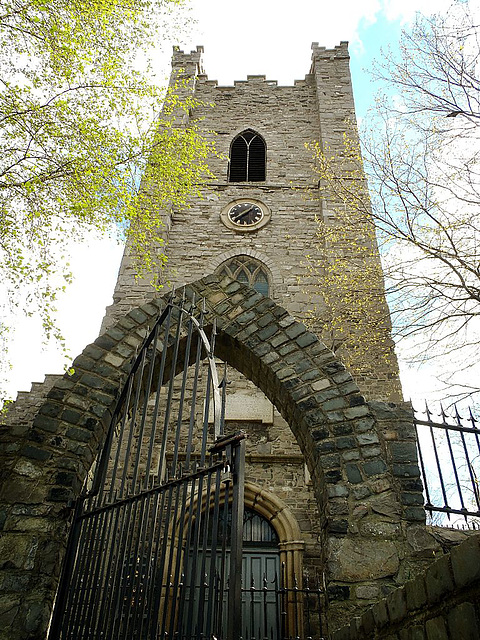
(243, 214)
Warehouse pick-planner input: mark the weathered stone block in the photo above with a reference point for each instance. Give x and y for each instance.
(334, 403)
(356, 559)
(337, 491)
(333, 476)
(406, 470)
(412, 498)
(295, 330)
(346, 442)
(116, 333)
(463, 622)
(421, 541)
(45, 423)
(374, 467)
(320, 434)
(403, 451)
(35, 453)
(81, 435)
(438, 579)
(436, 629)
(137, 315)
(380, 614)
(357, 412)
(29, 469)
(306, 339)
(338, 526)
(359, 493)
(18, 550)
(353, 473)
(337, 592)
(355, 400)
(10, 606)
(105, 342)
(466, 562)
(367, 438)
(342, 429)
(396, 605)
(416, 632)
(368, 592)
(414, 514)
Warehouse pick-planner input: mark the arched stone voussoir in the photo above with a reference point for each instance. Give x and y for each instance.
(303, 379)
(300, 376)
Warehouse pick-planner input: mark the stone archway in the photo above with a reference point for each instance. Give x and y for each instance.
(338, 432)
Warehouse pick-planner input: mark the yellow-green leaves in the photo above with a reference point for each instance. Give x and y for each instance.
(84, 141)
(345, 272)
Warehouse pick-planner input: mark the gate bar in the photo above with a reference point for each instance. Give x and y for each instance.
(234, 627)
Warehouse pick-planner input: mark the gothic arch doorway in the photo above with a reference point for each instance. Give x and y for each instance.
(274, 602)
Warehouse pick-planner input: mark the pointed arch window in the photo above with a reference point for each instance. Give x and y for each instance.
(249, 271)
(247, 158)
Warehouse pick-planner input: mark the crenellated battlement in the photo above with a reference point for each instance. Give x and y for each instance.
(191, 64)
(339, 51)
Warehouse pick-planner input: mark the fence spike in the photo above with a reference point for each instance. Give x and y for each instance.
(443, 414)
(457, 415)
(428, 412)
(472, 419)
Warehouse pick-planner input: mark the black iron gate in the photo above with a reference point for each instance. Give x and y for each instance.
(139, 564)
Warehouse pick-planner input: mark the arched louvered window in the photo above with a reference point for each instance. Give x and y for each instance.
(248, 271)
(247, 158)
(257, 531)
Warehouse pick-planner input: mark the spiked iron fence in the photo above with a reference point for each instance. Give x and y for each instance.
(449, 456)
(296, 611)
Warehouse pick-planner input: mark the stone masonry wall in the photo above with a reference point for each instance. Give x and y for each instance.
(441, 604)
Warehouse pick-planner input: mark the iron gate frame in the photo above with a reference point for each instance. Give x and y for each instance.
(225, 458)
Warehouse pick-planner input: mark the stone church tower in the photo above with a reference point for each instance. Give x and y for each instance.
(332, 489)
(257, 222)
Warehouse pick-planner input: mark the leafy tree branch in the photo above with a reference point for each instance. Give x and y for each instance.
(85, 134)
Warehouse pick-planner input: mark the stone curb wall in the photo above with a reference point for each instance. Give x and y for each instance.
(441, 604)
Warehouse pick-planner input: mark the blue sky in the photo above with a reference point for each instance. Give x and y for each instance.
(373, 39)
(252, 37)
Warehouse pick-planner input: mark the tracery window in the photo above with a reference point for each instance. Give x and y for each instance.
(247, 158)
(248, 271)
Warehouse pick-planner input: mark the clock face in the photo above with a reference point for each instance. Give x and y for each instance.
(245, 214)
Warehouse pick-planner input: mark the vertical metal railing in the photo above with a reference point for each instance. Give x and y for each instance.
(138, 564)
(449, 456)
(277, 611)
